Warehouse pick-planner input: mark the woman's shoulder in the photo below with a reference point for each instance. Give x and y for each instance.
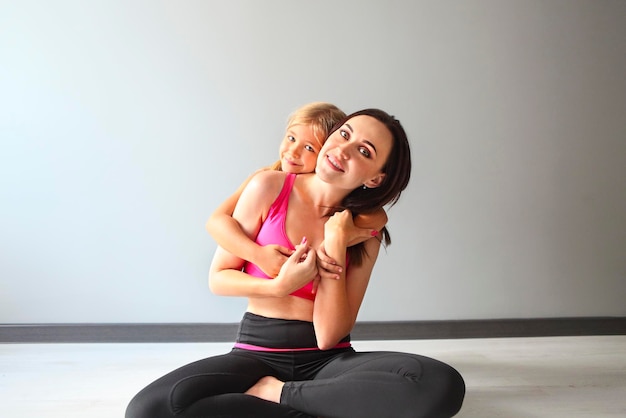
(269, 177)
(266, 183)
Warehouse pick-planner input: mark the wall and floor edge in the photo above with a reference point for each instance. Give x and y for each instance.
(389, 330)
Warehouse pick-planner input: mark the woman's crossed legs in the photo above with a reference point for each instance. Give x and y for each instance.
(346, 384)
(379, 384)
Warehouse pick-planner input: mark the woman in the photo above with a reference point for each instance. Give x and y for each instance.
(293, 356)
(307, 129)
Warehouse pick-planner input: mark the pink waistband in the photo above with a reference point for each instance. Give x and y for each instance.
(251, 347)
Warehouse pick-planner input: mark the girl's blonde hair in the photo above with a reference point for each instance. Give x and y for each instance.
(321, 116)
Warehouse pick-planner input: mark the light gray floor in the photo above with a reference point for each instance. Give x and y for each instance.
(513, 378)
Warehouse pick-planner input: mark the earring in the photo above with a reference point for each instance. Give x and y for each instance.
(364, 187)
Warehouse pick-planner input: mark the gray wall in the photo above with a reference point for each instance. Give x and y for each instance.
(124, 124)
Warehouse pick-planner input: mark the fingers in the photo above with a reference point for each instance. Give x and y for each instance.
(309, 258)
(326, 274)
(272, 259)
(328, 262)
(328, 269)
(299, 269)
(326, 266)
(300, 250)
(321, 254)
(284, 250)
(360, 235)
(316, 283)
(304, 255)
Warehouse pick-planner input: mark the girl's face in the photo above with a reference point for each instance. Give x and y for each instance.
(299, 149)
(354, 155)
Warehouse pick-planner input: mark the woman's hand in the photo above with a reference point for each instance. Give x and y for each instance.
(299, 269)
(271, 258)
(327, 267)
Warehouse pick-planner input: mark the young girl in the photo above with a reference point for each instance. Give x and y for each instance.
(307, 130)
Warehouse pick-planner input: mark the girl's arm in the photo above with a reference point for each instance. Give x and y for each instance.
(363, 227)
(228, 233)
(226, 277)
(373, 221)
(338, 301)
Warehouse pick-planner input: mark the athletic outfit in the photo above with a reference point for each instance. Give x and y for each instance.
(273, 231)
(337, 383)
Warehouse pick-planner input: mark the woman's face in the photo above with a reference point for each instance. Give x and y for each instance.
(355, 154)
(299, 149)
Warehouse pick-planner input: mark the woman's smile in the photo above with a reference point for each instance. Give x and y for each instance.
(357, 151)
(334, 163)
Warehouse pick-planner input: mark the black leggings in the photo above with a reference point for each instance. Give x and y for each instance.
(337, 383)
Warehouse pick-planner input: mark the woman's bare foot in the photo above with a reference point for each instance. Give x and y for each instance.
(268, 388)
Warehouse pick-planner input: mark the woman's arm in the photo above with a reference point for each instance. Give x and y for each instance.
(228, 233)
(338, 301)
(226, 277)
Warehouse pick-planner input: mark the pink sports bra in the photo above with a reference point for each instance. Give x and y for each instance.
(273, 232)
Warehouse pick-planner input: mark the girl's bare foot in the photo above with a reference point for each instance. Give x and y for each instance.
(268, 388)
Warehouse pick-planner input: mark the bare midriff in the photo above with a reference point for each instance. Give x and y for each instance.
(288, 307)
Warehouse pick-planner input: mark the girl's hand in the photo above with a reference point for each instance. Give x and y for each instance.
(271, 258)
(341, 225)
(299, 269)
